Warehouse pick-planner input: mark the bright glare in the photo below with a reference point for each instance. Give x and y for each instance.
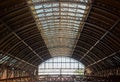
(61, 66)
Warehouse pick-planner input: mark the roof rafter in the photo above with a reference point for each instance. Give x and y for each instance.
(21, 39)
(100, 39)
(96, 62)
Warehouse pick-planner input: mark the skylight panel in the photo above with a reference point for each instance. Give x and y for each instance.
(73, 5)
(80, 11)
(64, 9)
(39, 11)
(64, 4)
(38, 6)
(55, 4)
(49, 14)
(82, 6)
(59, 20)
(41, 15)
(48, 10)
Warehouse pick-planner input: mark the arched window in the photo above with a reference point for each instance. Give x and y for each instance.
(61, 66)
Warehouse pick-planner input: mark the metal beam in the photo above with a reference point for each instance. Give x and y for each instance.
(38, 24)
(103, 59)
(57, 15)
(15, 78)
(18, 59)
(62, 1)
(15, 31)
(98, 27)
(90, 7)
(100, 39)
(21, 39)
(61, 7)
(13, 8)
(19, 10)
(105, 9)
(58, 23)
(61, 11)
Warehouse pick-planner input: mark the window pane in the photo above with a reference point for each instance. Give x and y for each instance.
(61, 65)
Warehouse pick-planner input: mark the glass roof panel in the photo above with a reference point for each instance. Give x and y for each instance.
(59, 21)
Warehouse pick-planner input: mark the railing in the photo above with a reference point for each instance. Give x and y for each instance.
(77, 78)
(60, 78)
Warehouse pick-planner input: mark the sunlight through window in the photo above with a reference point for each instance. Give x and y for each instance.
(61, 66)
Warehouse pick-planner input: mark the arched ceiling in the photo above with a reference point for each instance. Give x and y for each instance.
(20, 39)
(60, 23)
(97, 44)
